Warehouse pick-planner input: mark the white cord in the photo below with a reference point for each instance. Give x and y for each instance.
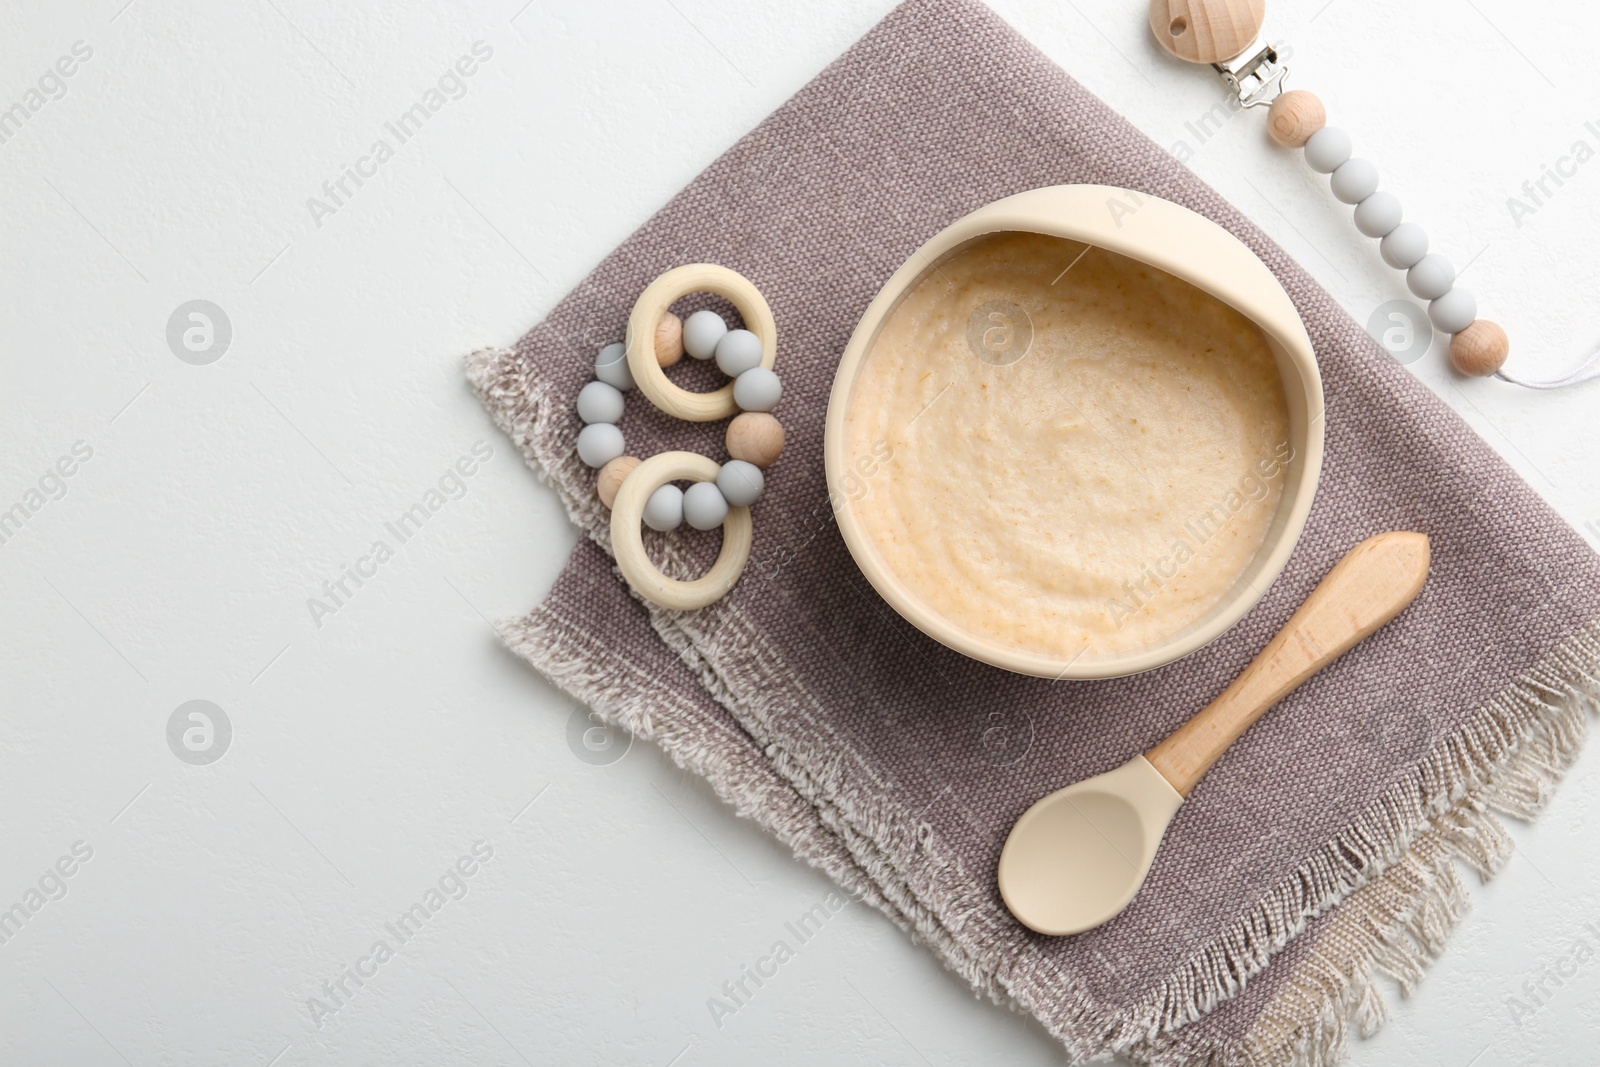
(1585, 371)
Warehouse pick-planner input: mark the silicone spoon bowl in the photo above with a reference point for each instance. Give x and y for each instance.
(1076, 858)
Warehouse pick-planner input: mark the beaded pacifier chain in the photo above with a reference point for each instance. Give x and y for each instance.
(720, 494)
(1226, 34)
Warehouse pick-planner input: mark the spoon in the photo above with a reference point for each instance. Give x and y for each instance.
(1076, 858)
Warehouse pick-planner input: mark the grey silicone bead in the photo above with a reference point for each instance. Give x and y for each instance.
(1404, 246)
(704, 506)
(738, 351)
(664, 510)
(1431, 277)
(1454, 311)
(701, 332)
(1378, 214)
(599, 444)
(1355, 180)
(1327, 148)
(757, 389)
(740, 482)
(599, 402)
(611, 367)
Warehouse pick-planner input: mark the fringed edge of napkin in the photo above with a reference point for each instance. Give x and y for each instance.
(1393, 875)
(1393, 872)
(1504, 761)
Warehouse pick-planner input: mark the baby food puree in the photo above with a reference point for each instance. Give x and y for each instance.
(1083, 452)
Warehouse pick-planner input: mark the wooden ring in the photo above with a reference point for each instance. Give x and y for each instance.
(627, 543)
(641, 340)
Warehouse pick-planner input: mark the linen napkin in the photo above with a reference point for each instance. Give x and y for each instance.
(1320, 851)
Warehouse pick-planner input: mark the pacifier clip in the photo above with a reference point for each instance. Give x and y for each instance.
(1227, 35)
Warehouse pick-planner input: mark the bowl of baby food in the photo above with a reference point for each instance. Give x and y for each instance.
(1077, 434)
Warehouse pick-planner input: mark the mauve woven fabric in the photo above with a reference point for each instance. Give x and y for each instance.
(899, 765)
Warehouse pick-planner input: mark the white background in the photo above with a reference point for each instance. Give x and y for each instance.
(369, 752)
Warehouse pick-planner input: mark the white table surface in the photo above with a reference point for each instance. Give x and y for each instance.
(373, 746)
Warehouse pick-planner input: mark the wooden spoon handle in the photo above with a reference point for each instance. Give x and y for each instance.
(1368, 587)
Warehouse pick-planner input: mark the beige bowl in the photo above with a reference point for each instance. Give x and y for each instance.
(1173, 239)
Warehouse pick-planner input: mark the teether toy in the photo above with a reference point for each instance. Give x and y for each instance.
(641, 491)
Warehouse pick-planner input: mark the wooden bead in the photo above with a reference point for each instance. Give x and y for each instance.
(669, 339)
(611, 478)
(755, 437)
(1480, 349)
(1294, 117)
(1206, 31)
